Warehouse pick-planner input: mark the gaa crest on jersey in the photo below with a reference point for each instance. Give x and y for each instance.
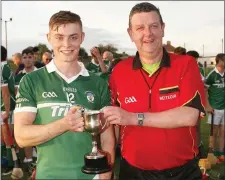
(90, 96)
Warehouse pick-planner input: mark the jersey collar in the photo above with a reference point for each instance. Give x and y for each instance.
(51, 67)
(25, 72)
(93, 62)
(165, 62)
(3, 63)
(216, 70)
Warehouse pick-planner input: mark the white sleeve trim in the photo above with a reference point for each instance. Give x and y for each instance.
(25, 109)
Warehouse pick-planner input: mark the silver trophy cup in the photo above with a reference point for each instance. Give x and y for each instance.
(96, 162)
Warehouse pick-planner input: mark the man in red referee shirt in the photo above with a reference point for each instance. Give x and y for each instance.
(160, 98)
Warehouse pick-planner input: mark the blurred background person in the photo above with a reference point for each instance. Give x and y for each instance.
(46, 57)
(195, 55)
(180, 50)
(17, 60)
(97, 65)
(107, 58)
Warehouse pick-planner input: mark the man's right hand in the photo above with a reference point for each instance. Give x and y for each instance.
(74, 120)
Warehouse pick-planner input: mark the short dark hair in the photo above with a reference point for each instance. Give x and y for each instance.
(64, 17)
(193, 54)
(180, 50)
(3, 53)
(144, 7)
(28, 50)
(35, 49)
(220, 57)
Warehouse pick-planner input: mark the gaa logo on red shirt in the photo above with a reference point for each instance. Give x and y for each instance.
(131, 99)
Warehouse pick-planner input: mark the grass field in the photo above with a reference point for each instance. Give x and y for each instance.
(219, 168)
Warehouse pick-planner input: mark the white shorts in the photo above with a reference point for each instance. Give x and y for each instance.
(218, 117)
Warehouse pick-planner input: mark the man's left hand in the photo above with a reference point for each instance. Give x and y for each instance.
(116, 115)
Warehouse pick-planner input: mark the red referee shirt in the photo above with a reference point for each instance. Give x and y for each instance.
(176, 83)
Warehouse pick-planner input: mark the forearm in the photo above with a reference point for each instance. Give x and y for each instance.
(6, 98)
(102, 65)
(173, 118)
(32, 135)
(108, 145)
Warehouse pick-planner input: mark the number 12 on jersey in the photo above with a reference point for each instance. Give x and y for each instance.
(70, 98)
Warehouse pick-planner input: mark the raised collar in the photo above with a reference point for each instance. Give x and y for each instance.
(25, 72)
(93, 62)
(165, 62)
(51, 67)
(216, 70)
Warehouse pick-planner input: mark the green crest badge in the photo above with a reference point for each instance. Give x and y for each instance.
(90, 96)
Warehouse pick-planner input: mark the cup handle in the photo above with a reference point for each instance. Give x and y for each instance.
(101, 111)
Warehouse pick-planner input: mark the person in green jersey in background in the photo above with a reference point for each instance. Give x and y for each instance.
(45, 114)
(7, 107)
(97, 65)
(216, 102)
(28, 62)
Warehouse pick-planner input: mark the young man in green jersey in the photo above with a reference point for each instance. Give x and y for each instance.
(216, 102)
(43, 114)
(28, 62)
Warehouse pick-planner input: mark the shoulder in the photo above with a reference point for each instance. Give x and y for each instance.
(39, 64)
(95, 78)
(123, 65)
(19, 75)
(183, 64)
(5, 69)
(211, 73)
(182, 60)
(5, 66)
(35, 76)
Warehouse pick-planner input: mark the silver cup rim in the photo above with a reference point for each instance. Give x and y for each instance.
(92, 112)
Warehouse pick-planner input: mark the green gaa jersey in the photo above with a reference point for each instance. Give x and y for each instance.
(215, 83)
(20, 75)
(107, 62)
(50, 94)
(7, 79)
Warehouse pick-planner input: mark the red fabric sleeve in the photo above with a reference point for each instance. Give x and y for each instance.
(192, 88)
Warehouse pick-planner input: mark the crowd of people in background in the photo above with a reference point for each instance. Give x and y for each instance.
(102, 64)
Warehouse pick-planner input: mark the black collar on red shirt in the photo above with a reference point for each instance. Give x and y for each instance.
(165, 62)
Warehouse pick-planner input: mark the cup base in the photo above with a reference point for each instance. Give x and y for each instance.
(96, 165)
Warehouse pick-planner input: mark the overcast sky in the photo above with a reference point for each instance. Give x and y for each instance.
(190, 23)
